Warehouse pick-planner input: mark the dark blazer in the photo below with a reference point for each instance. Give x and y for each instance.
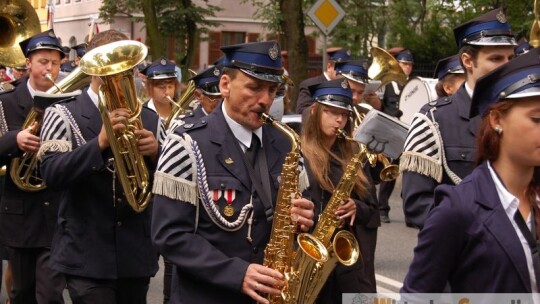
(390, 101)
(27, 219)
(212, 262)
(457, 131)
(469, 242)
(97, 236)
(358, 277)
(304, 96)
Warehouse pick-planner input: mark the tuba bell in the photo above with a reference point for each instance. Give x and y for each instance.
(18, 21)
(114, 63)
(385, 68)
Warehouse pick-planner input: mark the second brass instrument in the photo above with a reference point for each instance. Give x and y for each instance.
(24, 169)
(180, 106)
(279, 253)
(342, 247)
(114, 63)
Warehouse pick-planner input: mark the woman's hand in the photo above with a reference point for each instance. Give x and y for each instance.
(347, 211)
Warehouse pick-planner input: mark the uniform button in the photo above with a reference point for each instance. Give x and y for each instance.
(46, 203)
(118, 200)
(462, 155)
(94, 168)
(255, 222)
(255, 250)
(6, 208)
(119, 223)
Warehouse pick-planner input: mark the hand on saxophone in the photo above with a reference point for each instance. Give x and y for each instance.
(27, 141)
(118, 119)
(302, 213)
(259, 280)
(347, 211)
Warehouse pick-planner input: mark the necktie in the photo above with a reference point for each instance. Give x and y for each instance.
(251, 152)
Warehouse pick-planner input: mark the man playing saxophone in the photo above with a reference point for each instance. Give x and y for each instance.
(102, 242)
(214, 202)
(27, 218)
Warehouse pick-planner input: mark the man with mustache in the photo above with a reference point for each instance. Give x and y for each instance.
(213, 207)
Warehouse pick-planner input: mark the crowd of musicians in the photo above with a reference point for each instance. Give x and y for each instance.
(218, 172)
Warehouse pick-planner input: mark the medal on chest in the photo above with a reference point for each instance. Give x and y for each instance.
(228, 210)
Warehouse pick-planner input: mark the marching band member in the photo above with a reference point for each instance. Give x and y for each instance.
(334, 55)
(326, 157)
(522, 47)
(450, 74)
(80, 50)
(356, 73)
(216, 240)
(101, 244)
(27, 219)
(207, 92)
(161, 82)
(481, 236)
(440, 144)
(390, 106)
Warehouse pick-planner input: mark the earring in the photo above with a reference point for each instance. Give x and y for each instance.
(498, 129)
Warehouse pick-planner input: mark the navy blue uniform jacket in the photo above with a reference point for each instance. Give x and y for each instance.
(211, 262)
(469, 242)
(96, 236)
(27, 219)
(457, 131)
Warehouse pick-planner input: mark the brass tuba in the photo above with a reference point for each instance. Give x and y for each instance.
(114, 63)
(18, 21)
(385, 68)
(534, 38)
(24, 170)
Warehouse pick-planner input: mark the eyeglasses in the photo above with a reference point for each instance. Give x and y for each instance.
(212, 98)
(337, 113)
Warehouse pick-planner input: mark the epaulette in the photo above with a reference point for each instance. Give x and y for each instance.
(186, 115)
(195, 125)
(6, 87)
(440, 102)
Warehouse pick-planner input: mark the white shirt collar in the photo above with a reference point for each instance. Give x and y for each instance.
(93, 96)
(30, 89)
(468, 89)
(242, 134)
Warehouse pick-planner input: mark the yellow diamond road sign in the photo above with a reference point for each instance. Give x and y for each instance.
(326, 14)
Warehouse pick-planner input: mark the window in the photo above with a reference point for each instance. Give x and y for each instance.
(228, 38)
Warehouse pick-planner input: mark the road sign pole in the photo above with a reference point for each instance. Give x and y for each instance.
(324, 57)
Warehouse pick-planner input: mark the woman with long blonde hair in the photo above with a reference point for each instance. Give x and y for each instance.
(327, 155)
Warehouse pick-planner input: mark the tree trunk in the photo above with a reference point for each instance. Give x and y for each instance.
(153, 36)
(296, 44)
(191, 27)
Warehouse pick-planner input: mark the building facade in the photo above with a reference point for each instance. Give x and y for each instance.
(236, 25)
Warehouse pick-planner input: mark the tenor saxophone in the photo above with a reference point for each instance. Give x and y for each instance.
(342, 247)
(279, 252)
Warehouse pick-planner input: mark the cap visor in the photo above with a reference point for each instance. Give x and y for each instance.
(355, 78)
(335, 104)
(494, 40)
(263, 76)
(530, 92)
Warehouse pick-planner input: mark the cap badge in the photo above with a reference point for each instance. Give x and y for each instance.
(501, 17)
(216, 72)
(273, 52)
(51, 34)
(344, 84)
(348, 52)
(163, 61)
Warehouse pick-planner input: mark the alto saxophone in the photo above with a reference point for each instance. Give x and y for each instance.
(279, 252)
(342, 247)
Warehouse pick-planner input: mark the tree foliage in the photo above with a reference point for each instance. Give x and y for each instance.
(180, 19)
